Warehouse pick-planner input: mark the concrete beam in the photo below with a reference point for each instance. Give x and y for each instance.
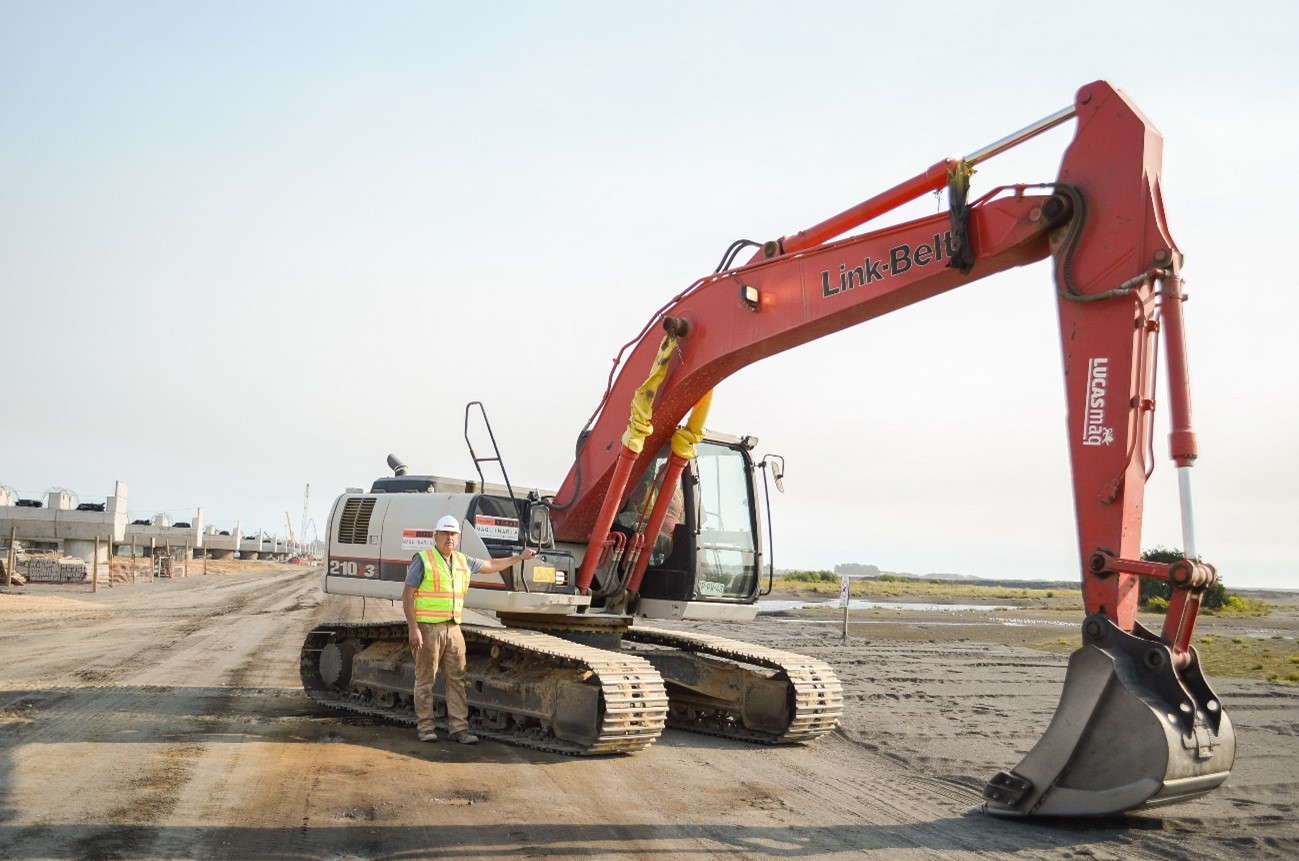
(60, 521)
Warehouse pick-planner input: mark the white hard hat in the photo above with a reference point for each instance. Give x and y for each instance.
(447, 523)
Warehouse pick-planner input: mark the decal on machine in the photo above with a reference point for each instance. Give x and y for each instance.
(711, 589)
(499, 528)
(901, 258)
(1095, 431)
(416, 539)
(353, 568)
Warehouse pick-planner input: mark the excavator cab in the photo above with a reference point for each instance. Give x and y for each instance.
(708, 551)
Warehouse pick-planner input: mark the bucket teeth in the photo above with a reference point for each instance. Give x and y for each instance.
(1007, 788)
(1131, 731)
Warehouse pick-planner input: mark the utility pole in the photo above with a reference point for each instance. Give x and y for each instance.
(306, 496)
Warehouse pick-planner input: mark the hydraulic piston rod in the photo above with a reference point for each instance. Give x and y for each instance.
(932, 179)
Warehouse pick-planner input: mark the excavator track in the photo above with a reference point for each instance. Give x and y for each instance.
(784, 698)
(525, 688)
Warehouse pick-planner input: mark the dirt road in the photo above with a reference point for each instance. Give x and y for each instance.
(166, 720)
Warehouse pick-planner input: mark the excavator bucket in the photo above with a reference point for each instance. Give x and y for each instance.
(1131, 731)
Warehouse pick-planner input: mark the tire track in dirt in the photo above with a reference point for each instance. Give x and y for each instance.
(917, 706)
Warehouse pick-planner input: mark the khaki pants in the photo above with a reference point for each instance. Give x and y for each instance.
(444, 650)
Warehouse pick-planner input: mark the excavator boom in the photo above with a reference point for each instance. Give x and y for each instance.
(735, 318)
(1137, 723)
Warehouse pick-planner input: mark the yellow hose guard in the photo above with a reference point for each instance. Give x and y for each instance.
(686, 437)
(639, 425)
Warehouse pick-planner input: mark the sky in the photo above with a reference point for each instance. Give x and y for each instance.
(248, 248)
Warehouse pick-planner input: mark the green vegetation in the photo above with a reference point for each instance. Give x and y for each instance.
(892, 587)
(1154, 593)
(1274, 659)
(1270, 660)
(807, 577)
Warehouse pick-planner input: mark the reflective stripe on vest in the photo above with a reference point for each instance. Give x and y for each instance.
(441, 594)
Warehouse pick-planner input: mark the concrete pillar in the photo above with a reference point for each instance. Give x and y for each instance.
(90, 551)
(115, 507)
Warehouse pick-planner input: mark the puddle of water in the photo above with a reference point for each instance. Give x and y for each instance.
(860, 604)
(929, 623)
(1039, 623)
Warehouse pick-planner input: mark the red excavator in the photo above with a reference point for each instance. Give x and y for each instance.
(660, 521)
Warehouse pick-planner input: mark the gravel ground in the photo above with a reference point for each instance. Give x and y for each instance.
(166, 720)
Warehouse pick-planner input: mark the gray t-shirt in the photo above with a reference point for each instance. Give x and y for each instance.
(415, 573)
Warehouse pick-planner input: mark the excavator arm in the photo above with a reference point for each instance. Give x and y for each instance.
(1137, 723)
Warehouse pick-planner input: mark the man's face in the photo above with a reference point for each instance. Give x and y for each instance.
(446, 541)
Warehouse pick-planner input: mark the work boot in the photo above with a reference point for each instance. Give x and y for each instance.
(428, 735)
(465, 738)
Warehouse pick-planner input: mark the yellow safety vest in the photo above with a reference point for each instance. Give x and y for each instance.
(441, 594)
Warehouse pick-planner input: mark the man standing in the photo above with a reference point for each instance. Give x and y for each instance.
(635, 513)
(433, 600)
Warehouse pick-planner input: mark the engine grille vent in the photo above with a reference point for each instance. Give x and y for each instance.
(354, 527)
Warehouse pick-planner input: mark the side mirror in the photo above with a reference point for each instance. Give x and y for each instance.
(777, 464)
(541, 532)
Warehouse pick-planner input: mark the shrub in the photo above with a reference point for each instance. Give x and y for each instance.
(1238, 606)
(1214, 597)
(811, 576)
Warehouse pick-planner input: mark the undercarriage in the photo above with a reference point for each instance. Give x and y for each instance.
(553, 692)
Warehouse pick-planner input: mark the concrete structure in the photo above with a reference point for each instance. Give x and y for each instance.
(63, 523)
(257, 546)
(60, 524)
(160, 533)
(220, 546)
